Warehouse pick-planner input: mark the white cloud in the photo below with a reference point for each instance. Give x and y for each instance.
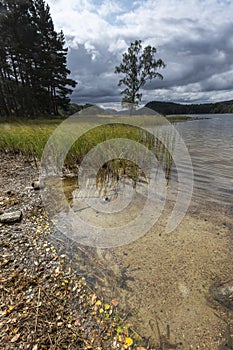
(193, 37)
(109, 7)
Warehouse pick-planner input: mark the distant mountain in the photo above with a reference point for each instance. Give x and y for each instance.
(167, 108)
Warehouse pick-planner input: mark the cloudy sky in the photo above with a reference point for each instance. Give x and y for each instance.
(193, 37)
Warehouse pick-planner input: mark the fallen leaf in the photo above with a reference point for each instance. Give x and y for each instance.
(106, 306)
(128, 342)
(114, 302)
(15, 338)
(93, 298)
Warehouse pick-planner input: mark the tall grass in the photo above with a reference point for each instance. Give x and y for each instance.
(28, 139)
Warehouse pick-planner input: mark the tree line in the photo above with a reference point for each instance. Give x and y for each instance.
(167, 108)
(34, 79)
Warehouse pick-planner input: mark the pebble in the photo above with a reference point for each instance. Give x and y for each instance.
(11, 217)
(223, 293)
(37, 185)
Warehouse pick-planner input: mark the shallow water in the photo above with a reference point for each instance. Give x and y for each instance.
(164, 279)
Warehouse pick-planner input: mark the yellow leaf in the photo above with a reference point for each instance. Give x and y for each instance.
(119, 330)
(101, 310)
(98, 303)
(128, 342)
(8, 311)
(107, 306)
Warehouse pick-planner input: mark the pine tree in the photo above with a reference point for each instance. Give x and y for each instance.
(33, 71)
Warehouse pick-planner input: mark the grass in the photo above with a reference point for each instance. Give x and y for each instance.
(28, 138)
(177, 118)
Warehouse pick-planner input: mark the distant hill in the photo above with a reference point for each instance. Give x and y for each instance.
(167, 108)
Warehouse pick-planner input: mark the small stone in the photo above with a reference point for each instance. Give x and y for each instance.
(9, 218)
(37, 185)
(223, 293)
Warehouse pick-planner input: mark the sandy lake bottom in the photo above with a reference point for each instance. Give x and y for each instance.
(164, 280)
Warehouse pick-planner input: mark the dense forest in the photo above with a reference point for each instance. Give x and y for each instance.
(167, 108)
(33, 70)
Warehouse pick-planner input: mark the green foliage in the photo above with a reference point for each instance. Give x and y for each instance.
(70, 109)
(33, 73)
(138, 65)
(166, 108)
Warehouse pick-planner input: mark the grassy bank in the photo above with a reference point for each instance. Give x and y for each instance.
(28, 138)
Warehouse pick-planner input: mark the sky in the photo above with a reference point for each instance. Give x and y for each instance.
(193, 37)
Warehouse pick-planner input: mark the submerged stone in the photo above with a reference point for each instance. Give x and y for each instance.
(223, 294)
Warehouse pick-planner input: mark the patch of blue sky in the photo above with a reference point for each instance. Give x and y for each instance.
(125, 4)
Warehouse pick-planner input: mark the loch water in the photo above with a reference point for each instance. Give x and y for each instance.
(210, 143)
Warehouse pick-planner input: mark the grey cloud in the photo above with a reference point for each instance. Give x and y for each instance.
(200, 62)
(96, 80)
(196, 60)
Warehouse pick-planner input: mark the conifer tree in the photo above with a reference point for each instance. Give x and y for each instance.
(33, 70)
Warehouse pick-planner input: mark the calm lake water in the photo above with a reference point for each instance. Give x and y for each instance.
(163, 280)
